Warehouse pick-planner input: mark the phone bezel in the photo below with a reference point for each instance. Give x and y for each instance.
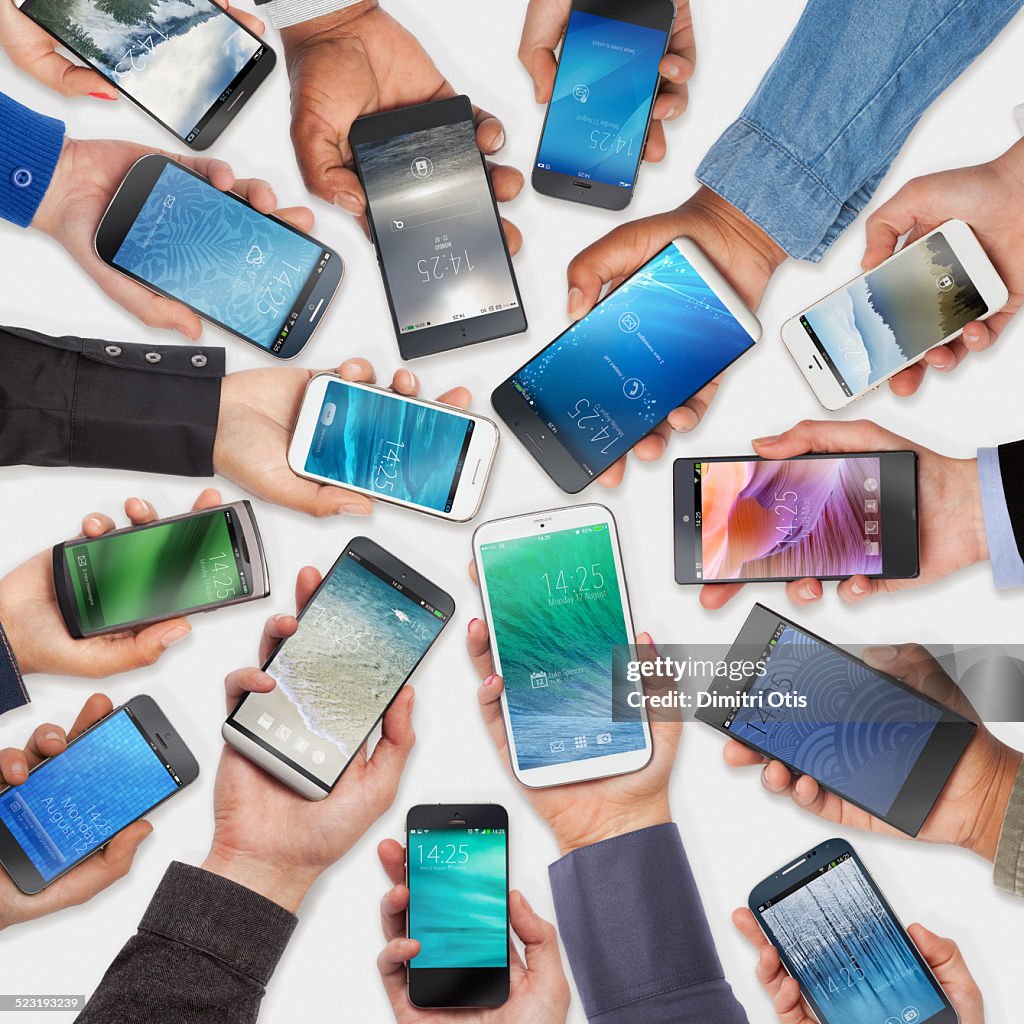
(124, 209)
(437, 987)
(269, 757)
(459, 333)
(149, 716)
(900, 543)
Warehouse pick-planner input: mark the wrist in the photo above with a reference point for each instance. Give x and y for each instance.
(738, 228)
(47, 214)
(576, 834)
(326, 24)
(984, 837)
(1011, 165)
(966, 493)
(277, 882)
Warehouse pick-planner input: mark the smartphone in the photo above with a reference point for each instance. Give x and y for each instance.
(648, 346)
(861, 335)
(435, 228)
(360, 638)
(838, 936)
(189, 65)
(600, 110)
(73, 804)
(421, 455)
(189, 563)
(252, 275)
(555, 600)
(742, 519)
(863, 735)
(457, 873)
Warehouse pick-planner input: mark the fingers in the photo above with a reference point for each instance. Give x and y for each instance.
(656, 147)
(458, 397)
(113, 862)
(830, 436)
(654, 445)
(396, 743)
(506, 181)
(805, 591)
(250, 21)
(889, 223)
(246, 680)
(359, 370)
(616, 255)
(614, 474)
(300, 217)
(538, 936)
(392, 860)
(96, 707)
(906, 382)
(208, 498)
(393, 957)
(737, 755)
(513, 236)
(46, 741)
(688, 415)
(490, 136)
(152, 309)
(542, 31)
(306, 585)
(856, 588)
(478, 644)
(915, 666)
(59, 74)
(748, 927)
(257, 193)
(405, 382)
(943, 956)
(718, 595)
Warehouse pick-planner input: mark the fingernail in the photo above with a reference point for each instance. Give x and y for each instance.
(350, 367)
(575, 300)
(53, 737)
(808, 591)
(858, 588)
(145, 837)
(498, 142)
(971, 333)
(259, 676)
(672, 71)
(406, 945)
(174, 636)
(353, 509)
(770, 439)
(526, 903)
(102, 96)
(17, 770)
(882, 653)
(413, 380)
(184, 332)
(490, 679)
(670, 113)
(692, 420)
(348, 202)
(472, 622)
(93, 521)
(764, 777)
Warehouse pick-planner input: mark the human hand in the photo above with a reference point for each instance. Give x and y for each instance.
(950, 521)
(94, 873)
(740, 250)
(35, 628)
(545, 25)
(941, 955)
(971, 807)
(267, 837)
(258, 410)
(539, 993)
(990, 198)
(88, 174)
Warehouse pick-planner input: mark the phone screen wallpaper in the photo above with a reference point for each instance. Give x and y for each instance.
(892, 315)
(811, 517)
(77, 801)
(557, 614)
(847, 952)
(390, 447)
(157, 572)
(607, 77)
(458, 897)
(439, 238)
(649, 346)
(174, 57)
(220, 256)
(357, 642)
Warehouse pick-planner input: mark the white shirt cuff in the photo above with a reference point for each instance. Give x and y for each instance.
(284, 13)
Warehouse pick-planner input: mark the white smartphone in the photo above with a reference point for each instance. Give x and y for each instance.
(554, 595)
(858, 337)
(422, 455)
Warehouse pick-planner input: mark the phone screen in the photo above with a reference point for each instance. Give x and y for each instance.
(439, 239)
(607, 77)
(614, 375)
(847, 951)
(891, 316)
(787, 519)
(458, 897)
(80, 799)
(557, 612)
(389, 446)
(158, 571)
(358, 641)
(176, 58)
(246, 271)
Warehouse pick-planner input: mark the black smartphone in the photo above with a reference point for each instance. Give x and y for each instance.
(838, 936)
(583, 401)
(600, 110)
(73, 804)
(742, 519)
(189, 563)
(251, 274)
(360, 638)
(869, 738)
(189, 65)
(457, 872)
(435, 227)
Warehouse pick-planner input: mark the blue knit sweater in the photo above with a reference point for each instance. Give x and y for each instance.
(30, 144)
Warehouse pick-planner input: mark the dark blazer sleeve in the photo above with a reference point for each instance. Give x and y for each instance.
(1011, 469)
(12, 687)
(635, 931)
(85, 402)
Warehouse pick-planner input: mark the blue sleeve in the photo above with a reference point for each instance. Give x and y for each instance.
(1007, 566)
(12, 687)
(635, 931)
(30, 144)
(836, 106)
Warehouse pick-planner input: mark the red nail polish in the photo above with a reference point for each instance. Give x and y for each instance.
(102, 96)
(490, 679)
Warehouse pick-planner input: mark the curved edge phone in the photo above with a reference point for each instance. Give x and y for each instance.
(556, 604)
(73, 804)
(456, 865)
(856, 338)
(867, 737)
(607, 381)
(742, 519)
(133, 56)
(422, 455)
(249, 273)
(599, 115)
(132, 577)
(838, 936)
(360, 638)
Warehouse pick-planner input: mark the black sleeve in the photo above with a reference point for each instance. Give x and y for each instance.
(86, 402)
(1011, 469)
(205, 950)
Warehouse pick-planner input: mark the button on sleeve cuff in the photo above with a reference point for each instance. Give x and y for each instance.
(30, 146)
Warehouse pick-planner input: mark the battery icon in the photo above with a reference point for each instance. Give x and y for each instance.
(487, 831)
(597, 528)
(438, 614)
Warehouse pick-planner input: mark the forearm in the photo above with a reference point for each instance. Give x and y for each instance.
(30, 145)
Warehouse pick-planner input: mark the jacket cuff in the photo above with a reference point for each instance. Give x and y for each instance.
(1011, 461)
(285, 13)
(234, 925)
(1007, 565)
(1009, 867)
(30, 146)
(12, 687)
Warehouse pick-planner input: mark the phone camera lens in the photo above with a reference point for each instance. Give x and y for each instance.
(403, 575)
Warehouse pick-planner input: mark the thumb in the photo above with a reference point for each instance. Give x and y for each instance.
(889, 223)
(615, 256)
(537, 935)
(136, 650)
(943, 956)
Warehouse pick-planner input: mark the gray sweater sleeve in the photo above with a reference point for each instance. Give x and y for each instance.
(1009, 870)
(204, 952)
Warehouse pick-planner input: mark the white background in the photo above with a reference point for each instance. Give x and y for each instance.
(734, 832)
